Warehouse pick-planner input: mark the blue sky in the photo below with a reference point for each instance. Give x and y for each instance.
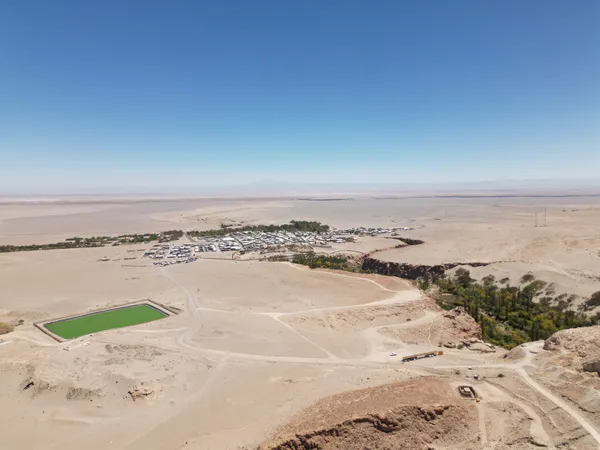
(149, 93)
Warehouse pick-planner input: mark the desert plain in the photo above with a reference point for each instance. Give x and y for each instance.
(279, 356)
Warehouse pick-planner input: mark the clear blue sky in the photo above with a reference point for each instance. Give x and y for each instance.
(139, 93)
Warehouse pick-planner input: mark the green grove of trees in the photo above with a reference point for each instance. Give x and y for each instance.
(338, 262)
(510, 315)
(294, 225)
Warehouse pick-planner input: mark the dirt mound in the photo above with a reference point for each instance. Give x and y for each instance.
(462, 324)
(77, 393)
(585, 342)
(141, 391)
(482, 347)
(35, 386)
(581, 344)
(123, 352)
(409, 427)
(515, 354)
(451, 329)
(593, 365)
(412, 415)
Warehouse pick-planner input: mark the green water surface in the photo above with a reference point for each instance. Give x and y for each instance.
(106, 320)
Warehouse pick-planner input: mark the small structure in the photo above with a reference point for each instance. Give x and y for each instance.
(467, 391)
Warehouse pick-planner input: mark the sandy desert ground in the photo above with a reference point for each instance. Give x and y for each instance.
(280, 356)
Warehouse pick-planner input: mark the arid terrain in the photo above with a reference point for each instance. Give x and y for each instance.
(279, 356)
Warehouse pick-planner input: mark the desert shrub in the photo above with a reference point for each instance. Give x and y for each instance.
(527, 278)
(6, 328)
(593, 301)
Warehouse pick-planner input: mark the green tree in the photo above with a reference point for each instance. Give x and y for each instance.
(527, 278)
(463, 277)
(510, 315)
(592, 302)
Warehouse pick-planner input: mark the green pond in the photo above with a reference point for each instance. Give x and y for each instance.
(104, 320)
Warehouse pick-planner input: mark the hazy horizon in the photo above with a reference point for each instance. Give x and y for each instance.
(286, 189)
(144, 95)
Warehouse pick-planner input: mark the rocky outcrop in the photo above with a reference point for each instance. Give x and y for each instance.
(404, 427)
(585, 342)
(463, 326)
(411, 414)
(410, 271)
(481, 347)
(579, 346)
(592, 366)
(516, 354)
(141, 391)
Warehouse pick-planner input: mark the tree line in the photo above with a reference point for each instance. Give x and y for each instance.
(337, 262)
(294, 225)
(97, 241)
(510, 315)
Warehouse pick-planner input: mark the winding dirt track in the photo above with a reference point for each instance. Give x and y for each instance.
(374, 339)
(591, 429)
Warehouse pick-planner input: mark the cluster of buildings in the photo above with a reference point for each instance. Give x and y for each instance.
(375, 231)
(249, 241)
(261, 240)
(165, 254)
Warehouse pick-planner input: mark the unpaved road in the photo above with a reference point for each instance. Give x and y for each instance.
(585, 424)
(375, 340)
